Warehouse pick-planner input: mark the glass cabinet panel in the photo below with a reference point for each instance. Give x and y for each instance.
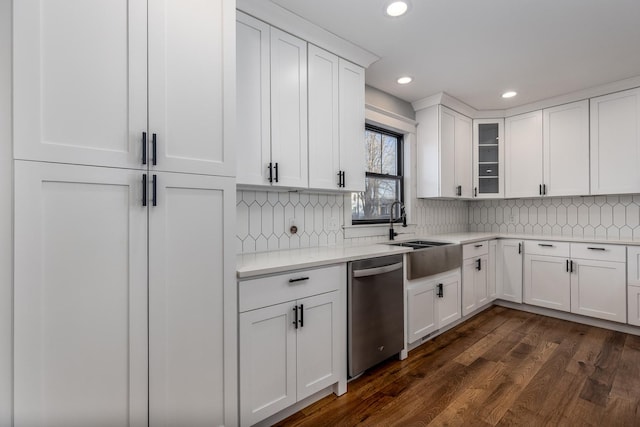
(488, 158)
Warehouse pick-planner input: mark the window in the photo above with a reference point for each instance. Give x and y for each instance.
(383, 183)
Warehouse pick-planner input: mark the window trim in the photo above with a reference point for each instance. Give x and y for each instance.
(400, 177)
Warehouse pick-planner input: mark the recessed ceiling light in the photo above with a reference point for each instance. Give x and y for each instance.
(397, 8)
(509, 94)
(404, 80)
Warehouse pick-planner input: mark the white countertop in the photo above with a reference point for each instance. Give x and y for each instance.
(257, 264)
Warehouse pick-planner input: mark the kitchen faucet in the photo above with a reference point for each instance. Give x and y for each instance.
(403, 215)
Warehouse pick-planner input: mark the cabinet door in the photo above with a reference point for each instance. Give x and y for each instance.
(566, 149)
(447, 152)
(80, 296)
(289, 109)
(253, 107)
(615, 143)
(192, 86)
(267, 362)
(421, 317)
(318, 349)
(509, 267)
(547, 282)
(633, 305)
(448, 306)
(523, 155)
(324, 132)
(463, 155)
(469, 301)
(633, 265)
(488, 158)
(492, 271)
(191, 300)
(352, 125)
(80, 81)
(599, 289)
(481, 282)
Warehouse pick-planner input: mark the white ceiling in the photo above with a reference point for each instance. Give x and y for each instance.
(475, 50)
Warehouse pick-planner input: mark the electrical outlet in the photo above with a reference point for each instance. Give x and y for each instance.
(512, 219)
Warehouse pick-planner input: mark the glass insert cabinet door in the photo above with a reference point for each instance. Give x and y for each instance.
(488, 148)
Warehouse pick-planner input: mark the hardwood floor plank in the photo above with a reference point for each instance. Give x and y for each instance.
(502, 367)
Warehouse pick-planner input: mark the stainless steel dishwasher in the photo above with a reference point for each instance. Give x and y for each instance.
(376, 311)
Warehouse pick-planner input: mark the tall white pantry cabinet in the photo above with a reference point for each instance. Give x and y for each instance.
(124, 288)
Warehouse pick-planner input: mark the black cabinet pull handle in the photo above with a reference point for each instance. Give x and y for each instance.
(144, 148)
(344, 179)
(567, 266)
(276, 168)
(571, 266)
(301, 316)
(295, 319)
(478, 246)
(544, 189)
(440, 291)
(153, 149)
(339, 179)
(475, 192)
(540, 189)
(144, 189)
(545, 245)
(479, 264)
(299, 279)
(597, 249)
(270, 172)
(154, 199)
(519, 248)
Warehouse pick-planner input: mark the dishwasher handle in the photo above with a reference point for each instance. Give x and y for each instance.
(377, 270)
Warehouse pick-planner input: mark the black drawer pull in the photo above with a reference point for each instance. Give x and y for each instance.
(478, 246)
(545, 245)
(299, 279)
(597, 249)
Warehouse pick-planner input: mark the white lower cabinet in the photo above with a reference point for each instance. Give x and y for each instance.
(509, 270)
(432, 303)
(292, 349)
(120, 309)
(633, 285)
(586, 279)
(475, 275)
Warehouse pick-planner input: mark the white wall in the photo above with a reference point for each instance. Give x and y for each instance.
(6, 212)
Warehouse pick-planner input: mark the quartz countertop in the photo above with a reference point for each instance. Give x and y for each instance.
(258, 264)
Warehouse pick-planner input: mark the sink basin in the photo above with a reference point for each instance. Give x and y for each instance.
(429, 258)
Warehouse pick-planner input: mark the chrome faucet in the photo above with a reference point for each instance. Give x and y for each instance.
(403, 215)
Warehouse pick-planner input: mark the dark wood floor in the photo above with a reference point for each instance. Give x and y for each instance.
(502, 367)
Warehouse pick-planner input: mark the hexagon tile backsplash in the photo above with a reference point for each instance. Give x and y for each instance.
(264, 219)
(607, 217)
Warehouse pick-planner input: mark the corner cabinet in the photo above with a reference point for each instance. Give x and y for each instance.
(292, 339)
(271, 105)
(444, 153)
(615, 143)
(432, 303)
(509, 270)
(336, 123)
(488, 155)
(475, 275)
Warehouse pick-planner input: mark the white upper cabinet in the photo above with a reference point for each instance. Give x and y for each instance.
(444, 153)
(488, 155)
(80, 81)
(253, 100)
(566, 149)
(80, 84)
(615, 143)
(352, 159)
(523, 155)
(191, 81)
(288, 109)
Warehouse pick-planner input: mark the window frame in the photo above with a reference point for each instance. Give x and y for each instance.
(398, 177)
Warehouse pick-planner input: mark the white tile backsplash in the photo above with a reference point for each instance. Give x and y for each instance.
(263, 220)
(608, 217)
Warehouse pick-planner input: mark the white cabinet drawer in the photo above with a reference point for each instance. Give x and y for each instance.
(475, 249)
(266, 291)
(538, 247)
(616, 253)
